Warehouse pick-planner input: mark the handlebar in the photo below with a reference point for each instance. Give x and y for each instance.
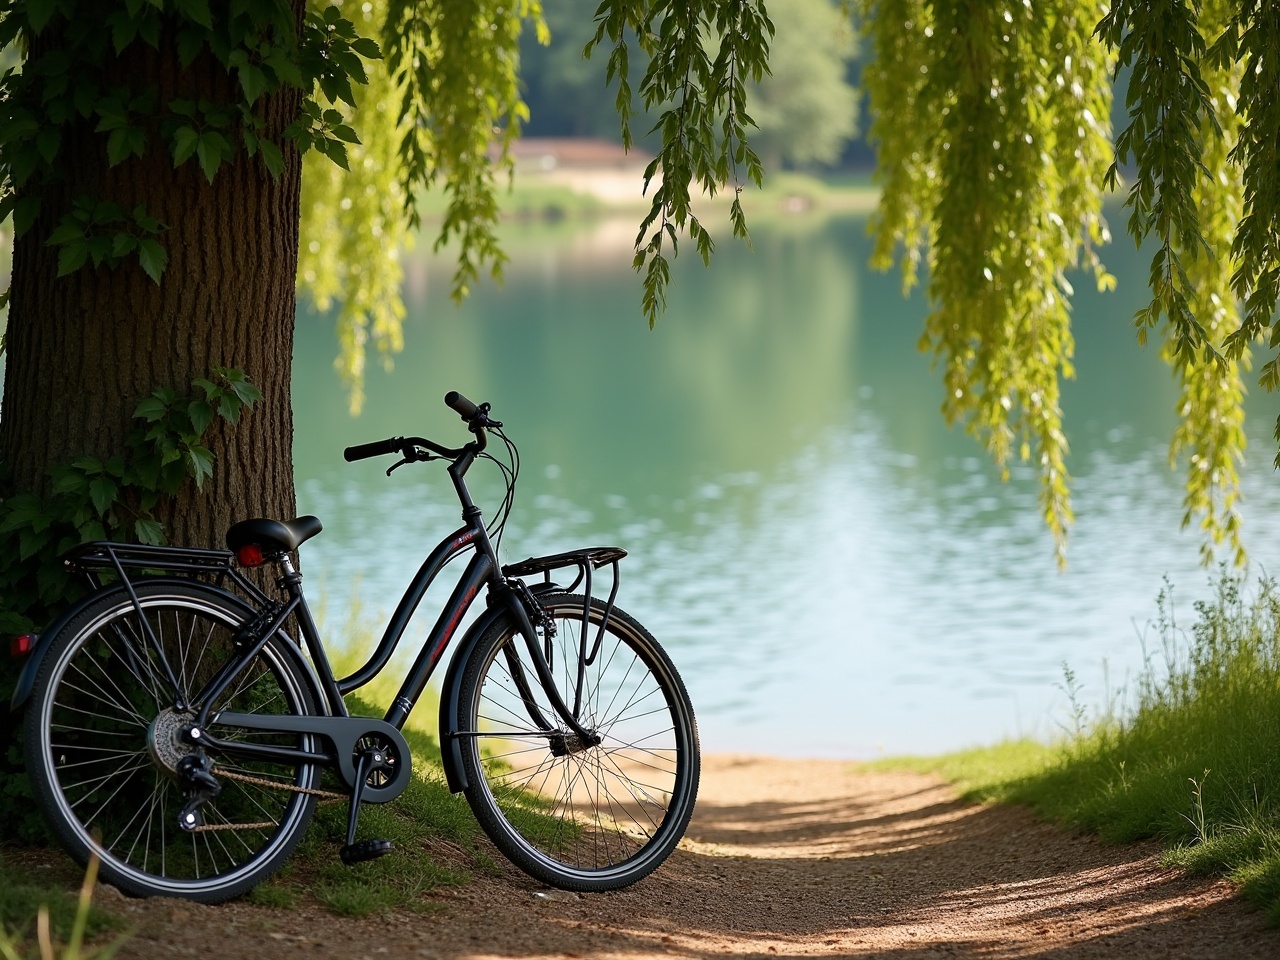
(378, 448)
(477, 416)
(461, 405)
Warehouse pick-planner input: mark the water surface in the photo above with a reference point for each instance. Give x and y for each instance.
(834, 571)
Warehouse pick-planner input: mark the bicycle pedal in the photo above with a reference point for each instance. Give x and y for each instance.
(353, 853)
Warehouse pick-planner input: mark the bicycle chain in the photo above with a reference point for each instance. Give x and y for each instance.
(326, 796)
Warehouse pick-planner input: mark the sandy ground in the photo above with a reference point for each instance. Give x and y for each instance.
(784, 858)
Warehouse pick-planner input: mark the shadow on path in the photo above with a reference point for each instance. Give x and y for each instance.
(790, 859)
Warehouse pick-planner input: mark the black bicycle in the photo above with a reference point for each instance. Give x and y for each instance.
(176, 729)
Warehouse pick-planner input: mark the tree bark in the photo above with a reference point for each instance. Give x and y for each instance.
(84, 349)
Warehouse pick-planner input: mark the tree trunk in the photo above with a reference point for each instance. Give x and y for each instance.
(84, 349)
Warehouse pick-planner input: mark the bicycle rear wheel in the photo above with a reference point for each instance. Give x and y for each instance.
(103, 742)
(577, 816)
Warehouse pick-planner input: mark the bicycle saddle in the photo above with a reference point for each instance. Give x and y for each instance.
(284, 535)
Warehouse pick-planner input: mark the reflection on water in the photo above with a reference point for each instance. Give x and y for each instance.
(834, 571)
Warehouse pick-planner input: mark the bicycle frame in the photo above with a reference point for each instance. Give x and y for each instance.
(270, 616)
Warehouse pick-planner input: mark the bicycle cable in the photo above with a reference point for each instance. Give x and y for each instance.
(510, 474)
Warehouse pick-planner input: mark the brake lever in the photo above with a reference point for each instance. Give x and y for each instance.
(411, 455)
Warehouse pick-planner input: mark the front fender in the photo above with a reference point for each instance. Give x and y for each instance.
(451, 689)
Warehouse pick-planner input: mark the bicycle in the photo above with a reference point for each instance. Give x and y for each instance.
(176, 730)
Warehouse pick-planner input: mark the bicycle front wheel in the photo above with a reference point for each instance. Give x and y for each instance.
(575, 815)
(104, 743)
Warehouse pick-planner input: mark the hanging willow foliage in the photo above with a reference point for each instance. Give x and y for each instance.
(991, 120)
(443, 106)
(995, 154)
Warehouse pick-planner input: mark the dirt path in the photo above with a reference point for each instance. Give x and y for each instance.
(785, 858)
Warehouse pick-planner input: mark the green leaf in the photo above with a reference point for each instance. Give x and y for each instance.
(201, 414)
(39, 13)
(91, 465)
(191, 43)
(367, 48)
(103, 491)
(200, 461)
(185, 141)
(149, 531)
(151, 409)
(253, 81)
(246, 391)
(70, 481)
(272, 157)
(153, 258)
(196, 11)
(65, 233)
(91, 531)
(209, 151)
(30, 543)
(72, 257)
(123, 244)
(47, 142)
(25, 212)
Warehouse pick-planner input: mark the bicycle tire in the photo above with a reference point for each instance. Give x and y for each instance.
(101, 741)
(595, 818)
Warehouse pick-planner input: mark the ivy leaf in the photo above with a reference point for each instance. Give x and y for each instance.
(149, 531)
(70, 481)
(253, 81)
(30, 543)
(153, 258)
(25, 212)
(200, 460)
(272, 157)
(103, 492)
(246, 391)
(196, 11)
(72, 257)
(47, 142)
(151, 409)
(123, 244)
(66, 232)
(39, 13)
(20, 511)
(91, 531)
(191, 42)
(209, 152)
(201, 414)
(185, 141)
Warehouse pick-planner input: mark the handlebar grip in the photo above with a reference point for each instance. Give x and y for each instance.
(378, 448)
(461, 405)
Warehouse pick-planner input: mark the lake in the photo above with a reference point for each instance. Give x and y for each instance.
(834, 571)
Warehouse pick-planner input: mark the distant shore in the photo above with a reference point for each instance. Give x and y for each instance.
(596, 193)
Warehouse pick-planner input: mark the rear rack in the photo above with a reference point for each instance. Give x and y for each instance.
(105, 554)
(107, 557)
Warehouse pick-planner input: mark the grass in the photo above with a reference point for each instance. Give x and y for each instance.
(62, 922)
(424, 817)
(1193, 760)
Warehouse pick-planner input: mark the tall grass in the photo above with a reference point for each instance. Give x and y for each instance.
(1193, 757)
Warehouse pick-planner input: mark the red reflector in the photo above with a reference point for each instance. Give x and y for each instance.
(21, 646)
(251, 556)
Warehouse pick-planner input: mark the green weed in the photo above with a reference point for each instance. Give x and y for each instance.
(1192, 759)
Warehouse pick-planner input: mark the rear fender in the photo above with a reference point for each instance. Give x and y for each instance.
(27, 678)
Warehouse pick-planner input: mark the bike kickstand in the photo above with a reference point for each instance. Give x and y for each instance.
(352, 852)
